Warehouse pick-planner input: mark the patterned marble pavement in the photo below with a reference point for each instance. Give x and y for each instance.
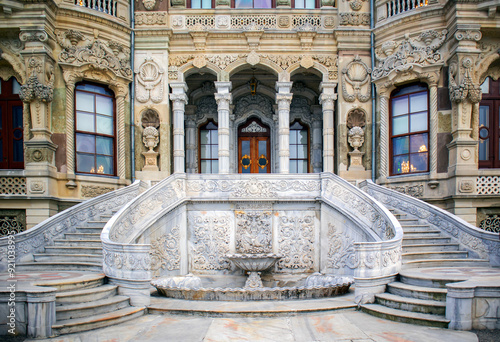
(344, 325)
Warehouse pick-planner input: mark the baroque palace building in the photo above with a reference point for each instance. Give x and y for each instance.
(98, 93)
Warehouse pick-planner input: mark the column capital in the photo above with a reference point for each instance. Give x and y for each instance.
(223, 87)
(284, 98)
(283, 87)
(179, 87)
(179, 98)
(221, 98)
(327, 87)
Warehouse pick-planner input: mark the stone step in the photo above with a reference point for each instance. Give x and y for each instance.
(83, 236)
(408, 221)
(77, 243)
(59, 266)
(423, 234)
(431, 247)
(406, 316)
(89, 281)
(97, 321)
(88, 309)
(419, 292)
(425, 240)
(86, 295)
(435, 255)
(73, 250)
(96, 223)
(46, 257)
(446, 263)
(97, 230)
(432, 307)
(419, 229)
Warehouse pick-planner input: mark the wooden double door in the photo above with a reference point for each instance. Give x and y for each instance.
(254, 147)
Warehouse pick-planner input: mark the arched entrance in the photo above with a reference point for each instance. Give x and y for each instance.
(254, 152)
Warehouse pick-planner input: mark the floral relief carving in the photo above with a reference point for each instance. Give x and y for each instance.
(355, 76)
(253, 231)
(145, 18)
(125, 261)
(296, 242)
(249, 102)
(341, 252)
(410, 190)
(79, 50)
(210, 241)
(165, 253)
(356, 4)
(402, 56)
(149, 81)
(467, 89)
(354, 19)
(95, 190)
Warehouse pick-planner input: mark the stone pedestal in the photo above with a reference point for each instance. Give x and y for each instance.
(151, 161)
(356, 161)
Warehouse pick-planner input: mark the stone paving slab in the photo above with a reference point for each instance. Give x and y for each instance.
(333, 326)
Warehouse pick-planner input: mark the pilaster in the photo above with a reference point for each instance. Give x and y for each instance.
(283, 99)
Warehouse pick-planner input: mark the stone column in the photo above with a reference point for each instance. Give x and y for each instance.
(190, 139)
(121, 91)
(179, 100)
(327, 98)
(224, 99)
(433, 130)
(317, 143)
(283, 99)
(383, 150)
(70, 79)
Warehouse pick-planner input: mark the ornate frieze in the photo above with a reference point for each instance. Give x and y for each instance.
(154, 18)
(95, 190)
(149, 84)
(78, 50)
(354, 19)
(210, 241)
(123, 261)
(416, 190)
(356, 4)
(402, 56)
(296, 242)
(472, 35)
(355, 78)
(253, 231)
(165, 253)
(341, 252)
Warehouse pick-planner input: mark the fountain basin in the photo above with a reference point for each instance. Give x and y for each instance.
(254, 262)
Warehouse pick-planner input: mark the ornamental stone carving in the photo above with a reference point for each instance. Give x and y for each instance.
(150, 138)
(165, 253)
(472, 35)
(296, 243)
(145, 18)
(356, 4)
(356, 138)
(259, 102)
(467, 89)
(416, 190)
(403, 56)
(355, 81)
(149, 81)
(77, 50)
(149, 4)
(35, 90)
(356, 117)
(95, 190)
(253, 231)
(354, 19)
(341, 252)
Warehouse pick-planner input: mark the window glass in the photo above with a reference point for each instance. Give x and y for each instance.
(400, 125)
(243, 4)
(418, 122)
(400, 106)
(85, 122)
(85, 102)
(104, 105)
(85, 143)
(298, 148)
(104, 124)
(209, 149)
(485, 87)
(16, 87)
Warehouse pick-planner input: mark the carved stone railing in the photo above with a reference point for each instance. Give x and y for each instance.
(12, 186)
(234, 19)
(478, 242)
(125, 259)
(488, 185)
(35, 239)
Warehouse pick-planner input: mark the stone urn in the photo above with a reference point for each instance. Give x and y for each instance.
(254, 264)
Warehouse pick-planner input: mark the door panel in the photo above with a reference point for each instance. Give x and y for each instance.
(254, 148)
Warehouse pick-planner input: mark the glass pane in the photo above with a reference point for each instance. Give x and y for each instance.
(1, 147)
(299, 3)
(302, 151)
(85, 122)
(207, 3)
(418, 122)
(400, 145)
(310, 4)
(94, 88)
(104, 105)
(400, 106)
(18, 154)
(263, 148)
(484, 152)
(204, 137)
(293, 151)
(215, 152)
(205, 166)
(418, 162)
(483, 133)
(17, 134)
(401, 165)
(214, 136)
(262, 4)
(293, 136)
(245, 161)
(17, 117)
(195, 3)
(485, 87)
(293, 166)
(84, 102)
(85, 143)
(418, 102)
(243, 4)
(104, 165)
(104, 146)
(245, 147)
(418, 143)
(410, 89)
(104, 124)
(484, 116)
(400, 125)
(215, 166)
(16, 87)
(302, 136)
(85, 163)
(302, 166)
(205, 152)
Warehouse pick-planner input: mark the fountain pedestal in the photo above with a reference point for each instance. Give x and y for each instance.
(254, 264)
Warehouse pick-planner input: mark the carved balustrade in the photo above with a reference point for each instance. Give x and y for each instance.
(392, 8)
(477, 241)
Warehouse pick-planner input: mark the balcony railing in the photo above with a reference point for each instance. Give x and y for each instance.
(395, 7)
(105, 6)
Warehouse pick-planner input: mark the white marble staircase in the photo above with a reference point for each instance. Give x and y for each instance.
(87, 303)
(414, 299)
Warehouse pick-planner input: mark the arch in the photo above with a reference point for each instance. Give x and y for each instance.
(485, 68)
(320, 70)
(189, 68)
(262, 89)
(241, 64)
(18, 68)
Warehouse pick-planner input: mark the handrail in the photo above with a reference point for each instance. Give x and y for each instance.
(43, 234)
(479, 242)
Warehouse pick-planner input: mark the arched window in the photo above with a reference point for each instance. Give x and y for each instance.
(11, 125)
(95, 129)
(409, 130)
(209, 148)
(299, 148)
(489, 125)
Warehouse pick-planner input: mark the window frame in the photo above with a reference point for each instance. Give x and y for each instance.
(200, 128)
(492, 100)
(409, 134)
(8, 100)
(95, 134)
(307, 159)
